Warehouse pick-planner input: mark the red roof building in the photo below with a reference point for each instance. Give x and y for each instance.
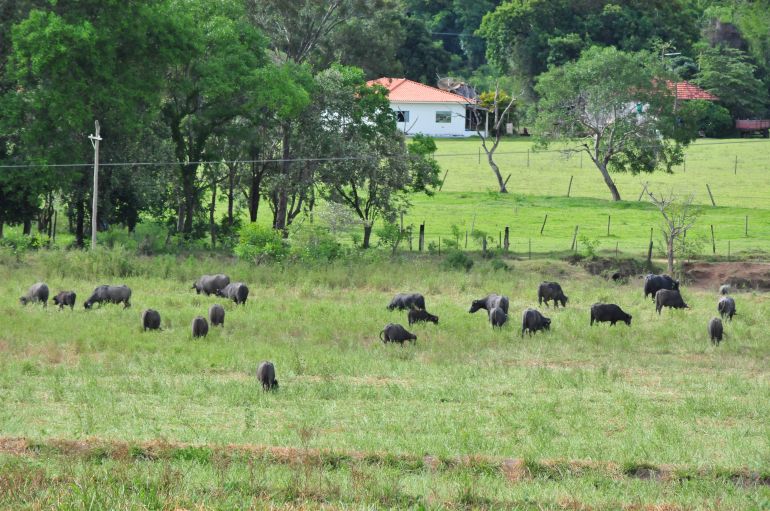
(685, 90)
(403, 90)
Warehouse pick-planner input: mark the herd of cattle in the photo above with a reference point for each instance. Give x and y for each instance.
(663, 289)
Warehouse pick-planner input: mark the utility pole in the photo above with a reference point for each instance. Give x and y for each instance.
(95, 142)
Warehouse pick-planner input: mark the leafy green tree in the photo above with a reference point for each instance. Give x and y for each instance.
(728, 74)
(615, 106)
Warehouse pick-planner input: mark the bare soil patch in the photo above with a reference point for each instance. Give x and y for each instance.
(739, 275)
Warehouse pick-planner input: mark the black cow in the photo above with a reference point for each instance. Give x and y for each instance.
(217, 315)
(551, 291)
(266, 376)
(654, 283)
(603, 312)
(726, 307)
(669, 298)
(497, 317)
(532, 321)
(724, 289)
(393, 332)
(715, 330)
(110, 294)
(37, 293)
(200, 327)
(405, 301)
(210, 284)
(489, 302)
(416, 315)
(237, 292)
(64, 299)
(150, 320)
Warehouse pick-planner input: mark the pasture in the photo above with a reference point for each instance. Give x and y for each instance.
(96, 414)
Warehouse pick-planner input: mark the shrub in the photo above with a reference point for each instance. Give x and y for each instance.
(458, 260)
(21, 242)
(389, 235)
(315, 243)
(498, 265)
(259, 243)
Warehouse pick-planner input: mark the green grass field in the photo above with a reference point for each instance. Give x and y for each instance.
(540, 188)
(95, 414)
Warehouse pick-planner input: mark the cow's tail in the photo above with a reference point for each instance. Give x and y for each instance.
(381, 337)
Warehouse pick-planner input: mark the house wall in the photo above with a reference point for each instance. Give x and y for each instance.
(422, 119)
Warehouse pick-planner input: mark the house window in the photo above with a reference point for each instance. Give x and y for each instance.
(443, 117)
(402, 116)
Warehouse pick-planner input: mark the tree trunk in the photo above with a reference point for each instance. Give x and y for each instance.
(212, 217)
(188, 192)
(283, 196)
(230, 197)
(80, 220)
(670, 253)
(608, 180)
(496, 170)
(27, 226)
(367, 234)
(180, 215)
(254, 192)
(2, 221)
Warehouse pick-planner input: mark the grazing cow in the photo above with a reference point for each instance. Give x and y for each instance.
(266, 376)
(726, 307)
(210, 284)
(669, 298)
(532, 321)
(490, 302)
(110, 294)
(217, 315)
(393, 332)
(200, 327)
(724, 289)
(715, 330)
(237, 292)
(416, 315)
(551, 291)
(150, 320)
(405, 301)
(37, 293)
(64, 299)
(497, 317)
(603, 312)
(654, 283)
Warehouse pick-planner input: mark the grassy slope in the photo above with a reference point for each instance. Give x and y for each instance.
(541, 189)
(654, 393)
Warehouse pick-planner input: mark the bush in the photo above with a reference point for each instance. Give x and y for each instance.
(259, 243)
(21, 242)
(389, 235)
(458, 260)
(315, 243)
(706, 116)
(499, 265)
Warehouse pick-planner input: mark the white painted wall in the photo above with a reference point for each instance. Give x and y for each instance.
(422, 119)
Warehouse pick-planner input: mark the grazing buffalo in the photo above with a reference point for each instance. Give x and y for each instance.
(404, 301)
(603, 312)
(393, 332)
(669, 298)
(490, 302)
(532, 321)
(551, 291)
(497, 317)
(266, 376)
(37, 293)
(724, 289)
(217, 315)
(726, 307)
(150, 320)
(715, 330)
(416, 315)
(110, 294)
(200, 327)
(237, 292)
(65, 299)
(654, 283)
(210, 284)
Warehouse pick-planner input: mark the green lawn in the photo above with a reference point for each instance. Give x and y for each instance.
(581, 407)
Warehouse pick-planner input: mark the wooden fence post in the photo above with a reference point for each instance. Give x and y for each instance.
(484, 244)
(55, 218)
(728, 250)
(713, 241)
(609, 219)
(569, 188)
(616, 250)
(530, 248)
(746, 232)
(735, 170)
(527, 157)
(544, 221)
(506, 243)
(466, 238)
(499, 239)
(710, 195)
(439, 245)
(443, 180)
(421, 244)
(574, 240)
(649, 250)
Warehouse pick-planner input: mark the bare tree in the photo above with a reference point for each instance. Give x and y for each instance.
(499, 108)
(679, 215)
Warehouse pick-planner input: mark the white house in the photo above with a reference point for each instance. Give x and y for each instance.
(428, 110)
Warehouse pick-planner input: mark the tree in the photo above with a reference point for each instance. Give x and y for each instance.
(498, 106)
(617, 108)
(679, 215)
(374, 182)
(728, 74)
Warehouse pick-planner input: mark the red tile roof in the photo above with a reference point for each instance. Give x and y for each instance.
(408, 91)
(685, 90)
